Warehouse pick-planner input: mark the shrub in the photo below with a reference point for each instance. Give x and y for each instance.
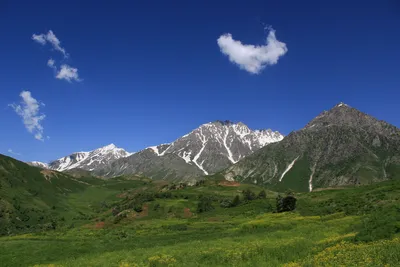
(262, 195)
(205, 204)
(287, 203)
(248, 195)
(225, 203)
(379, 225)
(236, 201)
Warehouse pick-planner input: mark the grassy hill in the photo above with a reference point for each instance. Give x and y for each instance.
(133, 221)
(33, 199)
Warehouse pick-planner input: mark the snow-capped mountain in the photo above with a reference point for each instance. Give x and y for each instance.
(38, 164)
(208, 149)
(218, 144)
(91, 160)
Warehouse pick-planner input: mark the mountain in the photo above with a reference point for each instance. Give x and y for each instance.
(89, 161)
(342, 146)
(38, 164)
(208, 149)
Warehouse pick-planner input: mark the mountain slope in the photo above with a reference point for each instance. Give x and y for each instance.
(89, 161)
(207, 149)
(29, 195)
(342, 146)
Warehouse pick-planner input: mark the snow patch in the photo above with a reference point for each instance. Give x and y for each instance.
(230, 157)
(204, 142)
(288, 168)
(310, 187)
(155, 150)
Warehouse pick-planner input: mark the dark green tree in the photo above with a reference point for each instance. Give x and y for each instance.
(205, 204)
(287, 203)
(248, 195)
(236, 201)
(262, 195)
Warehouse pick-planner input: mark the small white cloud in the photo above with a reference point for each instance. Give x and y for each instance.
(52, 39)
(252, 58)
(51, 64)
(29, 111)
(68, 73)
(13, 153)
(39, 38)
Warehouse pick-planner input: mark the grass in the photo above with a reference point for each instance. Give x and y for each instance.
(131, 221)
(322, 232)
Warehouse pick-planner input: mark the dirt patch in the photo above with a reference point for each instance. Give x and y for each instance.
(229, 183)
(328, 188)
(143, 213)
(48, 174)
(99, 225)
(213, 219)
(187, 213)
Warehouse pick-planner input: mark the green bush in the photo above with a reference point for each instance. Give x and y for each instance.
(287, 203)
(236, 201)
(205, 204)
(225, 203)
(380, 224)
(262, 195)
(248, 195)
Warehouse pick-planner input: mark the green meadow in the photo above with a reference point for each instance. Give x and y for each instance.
(138, 222)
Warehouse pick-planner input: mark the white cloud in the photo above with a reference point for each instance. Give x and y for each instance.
(68, 73)
(51, 63)
(13, 153)
(29, 111)
(52, 39)
(252, 58)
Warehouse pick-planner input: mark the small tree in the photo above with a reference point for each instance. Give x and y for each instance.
(205, 204)
(248, 195)
(262, 195)
(225, 203)
(287, 203)
(236, 201)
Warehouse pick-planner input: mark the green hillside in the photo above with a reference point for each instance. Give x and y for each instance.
(33, 199)
(53, 219)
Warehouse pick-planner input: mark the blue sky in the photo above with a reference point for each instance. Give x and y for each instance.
(151, 72)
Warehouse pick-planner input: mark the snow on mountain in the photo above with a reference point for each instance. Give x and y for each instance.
(216, 145)
(89, 160)
(38, 164)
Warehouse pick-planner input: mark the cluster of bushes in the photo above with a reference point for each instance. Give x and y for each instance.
(174, 186)
(380, 224)
(248, 195)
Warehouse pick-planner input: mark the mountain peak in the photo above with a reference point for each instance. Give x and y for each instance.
(225, 122)
(341, 104)
(109, 147)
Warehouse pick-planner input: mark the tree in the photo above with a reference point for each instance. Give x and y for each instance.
(236, 201)
(225, 203)
(248, 195)
(205, 204)
(262, 195)
(287, 203)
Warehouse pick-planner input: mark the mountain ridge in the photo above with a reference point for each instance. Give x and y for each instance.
(207, 149)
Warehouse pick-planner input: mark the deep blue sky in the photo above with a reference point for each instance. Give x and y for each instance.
(152, 70)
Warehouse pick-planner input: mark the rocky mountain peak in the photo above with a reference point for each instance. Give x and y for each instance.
(207, 149)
